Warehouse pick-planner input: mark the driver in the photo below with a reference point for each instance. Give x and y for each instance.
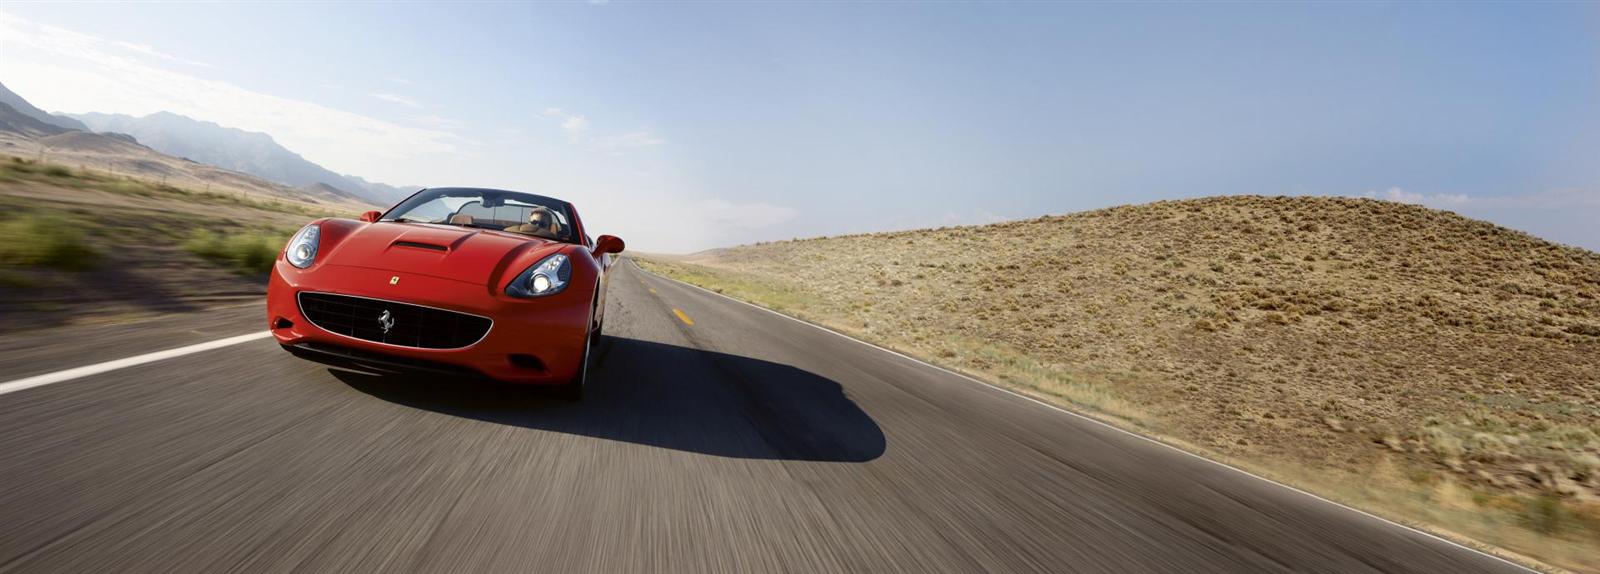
(541, 222)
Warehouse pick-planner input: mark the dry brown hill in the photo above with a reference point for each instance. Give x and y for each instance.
(1396, 356)
(85, 142)
(327, 192)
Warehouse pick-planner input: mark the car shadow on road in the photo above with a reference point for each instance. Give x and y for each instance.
(665, 396)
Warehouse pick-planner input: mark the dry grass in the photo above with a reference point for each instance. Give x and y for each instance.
(1315, 339)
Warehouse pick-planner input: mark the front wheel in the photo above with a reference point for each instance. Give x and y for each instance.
(573, 390)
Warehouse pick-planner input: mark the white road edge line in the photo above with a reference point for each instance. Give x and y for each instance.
(108, 366)
(1102, 423)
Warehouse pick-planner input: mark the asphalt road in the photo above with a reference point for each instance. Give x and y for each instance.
(743, 442)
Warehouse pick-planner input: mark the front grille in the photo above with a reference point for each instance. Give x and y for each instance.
(409, 325)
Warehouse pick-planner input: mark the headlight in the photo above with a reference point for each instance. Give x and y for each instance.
(547, 277)
(302, 249)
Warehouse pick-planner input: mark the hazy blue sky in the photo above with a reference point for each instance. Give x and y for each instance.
(686, 126)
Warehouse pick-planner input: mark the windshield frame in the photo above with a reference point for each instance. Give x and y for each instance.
(563, 209)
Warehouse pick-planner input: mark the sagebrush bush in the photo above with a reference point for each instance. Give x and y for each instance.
(1546, 515)
(44, 242)
(245, 252)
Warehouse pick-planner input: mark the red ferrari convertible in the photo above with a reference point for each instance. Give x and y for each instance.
(464, 281)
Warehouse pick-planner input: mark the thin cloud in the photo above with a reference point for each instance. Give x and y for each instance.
(618, 143)
(1551, 199)
(398, 99)
(1402, 196)
(63, 70)
(744, 216)
(440, 122)
(575, 125)
(577, 128)
(672, 223)
(1564, 215)
(147, 50)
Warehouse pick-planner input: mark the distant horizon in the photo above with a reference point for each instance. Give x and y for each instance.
(1371, 197)
(1393, 195)
(690, 127)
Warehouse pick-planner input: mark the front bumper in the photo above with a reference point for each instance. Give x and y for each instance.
(534, 341)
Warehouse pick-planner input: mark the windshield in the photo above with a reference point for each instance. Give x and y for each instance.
(511, 211)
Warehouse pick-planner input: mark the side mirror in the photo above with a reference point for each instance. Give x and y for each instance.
(371, 216)
(608, 244)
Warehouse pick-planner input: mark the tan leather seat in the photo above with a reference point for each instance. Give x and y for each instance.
(541, 222)
(461, 219)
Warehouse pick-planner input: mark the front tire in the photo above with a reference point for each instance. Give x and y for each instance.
(573, 390)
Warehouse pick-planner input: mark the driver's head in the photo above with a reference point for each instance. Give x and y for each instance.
(542, 218)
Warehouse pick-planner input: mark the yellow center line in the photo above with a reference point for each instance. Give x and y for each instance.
(652, 289)
(685, 318)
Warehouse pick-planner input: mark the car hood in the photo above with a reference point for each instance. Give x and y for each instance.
(445, 251)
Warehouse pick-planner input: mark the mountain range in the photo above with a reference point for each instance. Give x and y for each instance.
(35, 135)
(25, 137)
(233, 149)
(22, 106)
